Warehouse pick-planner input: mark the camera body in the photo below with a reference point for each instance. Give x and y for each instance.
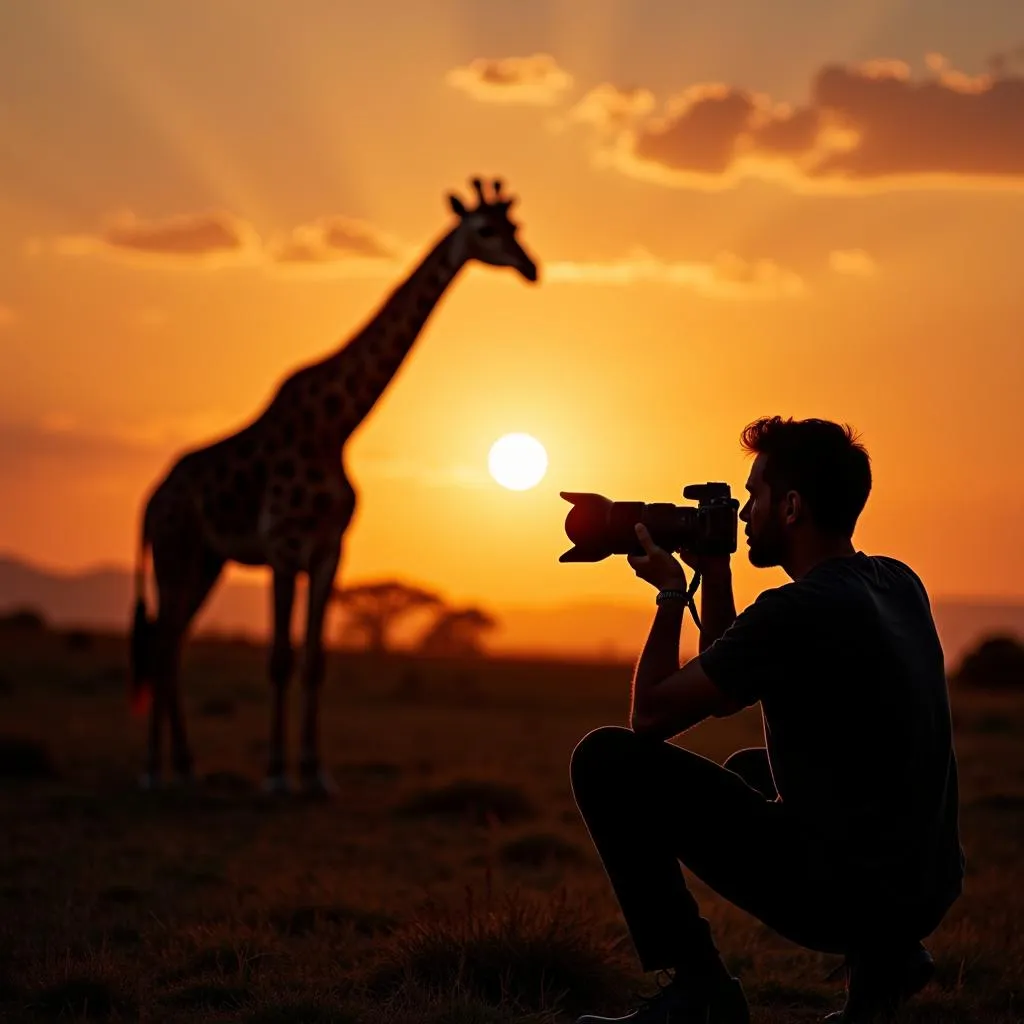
(599, 527)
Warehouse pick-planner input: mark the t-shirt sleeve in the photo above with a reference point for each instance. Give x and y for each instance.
(756, 654)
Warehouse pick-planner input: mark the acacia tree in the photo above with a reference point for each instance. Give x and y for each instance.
(457, 632)
(997, 662)
(371, 610)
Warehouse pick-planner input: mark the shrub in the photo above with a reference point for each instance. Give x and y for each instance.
(532, 955)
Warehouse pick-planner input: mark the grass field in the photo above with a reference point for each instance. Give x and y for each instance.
(450, 881)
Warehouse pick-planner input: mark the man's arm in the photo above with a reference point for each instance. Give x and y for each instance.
(717, 605)
(667, 699)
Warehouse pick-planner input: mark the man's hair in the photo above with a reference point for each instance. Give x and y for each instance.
(823, 461)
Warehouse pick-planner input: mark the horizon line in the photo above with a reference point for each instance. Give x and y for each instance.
(115, 567)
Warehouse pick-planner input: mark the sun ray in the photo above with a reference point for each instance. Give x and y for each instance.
(123, 55)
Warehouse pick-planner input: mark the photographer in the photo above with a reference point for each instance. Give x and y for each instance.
(842, 834)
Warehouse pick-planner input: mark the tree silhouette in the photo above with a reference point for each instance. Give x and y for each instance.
(371, 610)
(997, 662)
(23, 620)
(457, 632)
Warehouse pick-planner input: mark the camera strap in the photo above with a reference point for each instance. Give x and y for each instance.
(690, 603)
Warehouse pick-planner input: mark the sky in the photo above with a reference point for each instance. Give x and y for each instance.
(739, 209)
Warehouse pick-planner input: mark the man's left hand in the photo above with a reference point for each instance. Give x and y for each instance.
(656, 565)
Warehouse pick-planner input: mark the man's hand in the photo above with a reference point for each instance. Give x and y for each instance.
(656, 565)
(707, 565)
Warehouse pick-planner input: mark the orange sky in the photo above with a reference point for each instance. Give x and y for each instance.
(793, 208)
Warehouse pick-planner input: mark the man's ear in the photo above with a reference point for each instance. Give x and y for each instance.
(457, 207)
(794, 507)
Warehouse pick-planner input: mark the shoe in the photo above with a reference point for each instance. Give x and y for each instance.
(679, 1004)
(876, 987)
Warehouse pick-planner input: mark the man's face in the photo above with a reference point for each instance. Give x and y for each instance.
(765, 531)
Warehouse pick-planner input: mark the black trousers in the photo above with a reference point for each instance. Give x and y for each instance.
(650, 805)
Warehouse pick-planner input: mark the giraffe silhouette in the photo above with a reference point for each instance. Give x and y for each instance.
(276, 494)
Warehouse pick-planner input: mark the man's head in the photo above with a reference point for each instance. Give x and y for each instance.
(807, 486)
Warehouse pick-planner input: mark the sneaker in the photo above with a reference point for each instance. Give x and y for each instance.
(679, 1004)
(877, 987)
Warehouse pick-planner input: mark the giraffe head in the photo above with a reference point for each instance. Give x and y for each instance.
(488, 234)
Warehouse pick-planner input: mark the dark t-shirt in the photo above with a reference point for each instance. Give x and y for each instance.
(848, 667)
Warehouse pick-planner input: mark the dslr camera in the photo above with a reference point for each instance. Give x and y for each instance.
(599, 527)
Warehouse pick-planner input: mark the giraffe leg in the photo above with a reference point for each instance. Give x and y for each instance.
(171, 635)
(182, 586)
(168, 633)
(281, 666)
(321, 582)
(150, 777)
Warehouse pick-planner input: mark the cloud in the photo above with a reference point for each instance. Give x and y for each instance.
(726, 277)
(608, 109)
(60, 443)
(343, 246)
(333, 244)
(866, 127)
(162, 432)
(63, 445)
(203, 239)
(852, 261)
(537, 79)
(608, 106)
(59, 433)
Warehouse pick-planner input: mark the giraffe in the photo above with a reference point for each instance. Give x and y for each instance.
(276, 494)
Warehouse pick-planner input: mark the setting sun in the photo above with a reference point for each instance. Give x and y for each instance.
(517, 461)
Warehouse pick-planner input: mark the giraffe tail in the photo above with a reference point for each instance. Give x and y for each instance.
(141, 642)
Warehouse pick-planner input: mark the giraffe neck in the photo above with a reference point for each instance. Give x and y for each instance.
(360, 372)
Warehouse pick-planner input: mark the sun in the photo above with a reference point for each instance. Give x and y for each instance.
(517, 461)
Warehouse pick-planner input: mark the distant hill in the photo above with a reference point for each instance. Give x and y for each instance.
(101, 599)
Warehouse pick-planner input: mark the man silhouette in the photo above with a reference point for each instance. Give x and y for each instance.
(842, 833)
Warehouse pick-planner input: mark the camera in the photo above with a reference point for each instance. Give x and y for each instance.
(599, 527)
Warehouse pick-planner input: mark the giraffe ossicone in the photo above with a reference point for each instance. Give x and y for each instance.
(276, 494)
